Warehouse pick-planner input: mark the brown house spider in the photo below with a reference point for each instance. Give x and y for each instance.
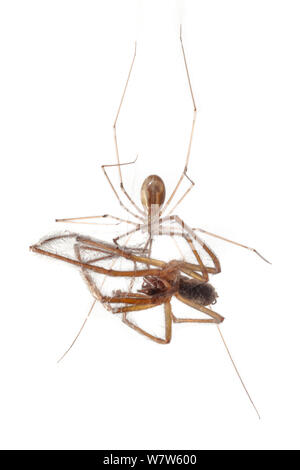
(153, 194)
(160, 282)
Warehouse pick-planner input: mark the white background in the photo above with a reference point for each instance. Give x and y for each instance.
(63, 65)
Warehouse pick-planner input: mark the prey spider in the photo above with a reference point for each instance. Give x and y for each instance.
(149, 218)
(159, 282)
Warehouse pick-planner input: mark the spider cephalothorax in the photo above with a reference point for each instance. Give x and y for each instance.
(153, 286)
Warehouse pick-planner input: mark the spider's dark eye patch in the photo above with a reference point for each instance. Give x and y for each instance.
(201, 293)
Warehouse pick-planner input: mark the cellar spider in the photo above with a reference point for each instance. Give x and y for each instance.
(160, 282)
(166, 280)
(150, 217)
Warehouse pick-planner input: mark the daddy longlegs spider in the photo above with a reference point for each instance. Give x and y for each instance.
(160, 282)
(151, 220)
(153, 195)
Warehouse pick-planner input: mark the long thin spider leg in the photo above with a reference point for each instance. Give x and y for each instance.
(123, 253)
(193, 320)
(184, 195)
(80, 330)
(122, 297)
(184, 173)
(185, 228)
(116, 240)
(234, 243)
(150, 243)
(118, 112)
(116, 140)
(236, 369)
(216, 316)
(105, 257)
(104, 248)
(146, 248)
(164, 268)
(137, 229)
(98, 258)
(168, 323)
(202, 268)
(129, 298)
(188, 268)
(133, 295)
(95, 291)
(117, 196)
(98, 269)
(178, 248)
(81, 220)
(206, 269)
(121, 184)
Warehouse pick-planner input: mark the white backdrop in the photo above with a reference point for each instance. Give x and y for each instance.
(63, 66)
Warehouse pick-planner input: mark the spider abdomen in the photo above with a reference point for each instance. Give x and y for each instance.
(153, 192)
(200, 293)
